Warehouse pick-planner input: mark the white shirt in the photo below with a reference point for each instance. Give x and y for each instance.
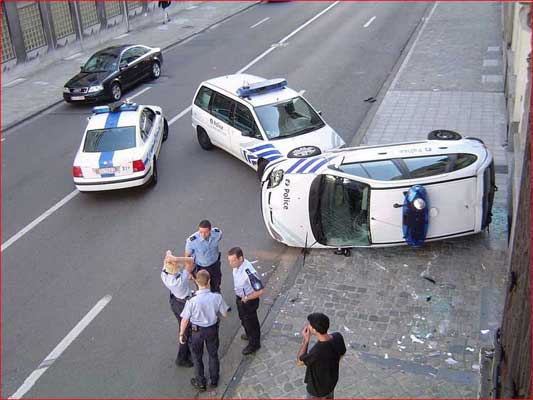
(241, 281)
(203, 309)
(178, 284)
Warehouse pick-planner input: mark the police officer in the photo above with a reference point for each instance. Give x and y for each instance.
(202, 246)
(178, 283)
(202, 312)
(248, 289)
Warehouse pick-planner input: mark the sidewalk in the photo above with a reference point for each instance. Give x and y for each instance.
(407, 336)
(29, 95)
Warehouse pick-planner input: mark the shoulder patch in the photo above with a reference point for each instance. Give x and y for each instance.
(216, 230)
(191, 238)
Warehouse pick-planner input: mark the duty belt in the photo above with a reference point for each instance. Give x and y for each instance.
(178, 299)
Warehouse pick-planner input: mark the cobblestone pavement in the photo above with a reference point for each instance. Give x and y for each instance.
(414, 319)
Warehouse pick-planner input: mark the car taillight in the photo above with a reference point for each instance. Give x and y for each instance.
(76, 172)
(138, 165)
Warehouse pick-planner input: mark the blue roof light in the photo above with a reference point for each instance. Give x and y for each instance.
(115, 108)
(100, 109)
(261, 87)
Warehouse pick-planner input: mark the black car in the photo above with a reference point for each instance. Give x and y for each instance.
(110, 71)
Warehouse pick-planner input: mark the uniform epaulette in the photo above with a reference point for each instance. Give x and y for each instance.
(191, 238)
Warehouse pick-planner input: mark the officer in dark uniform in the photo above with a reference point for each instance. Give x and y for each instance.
(202, 246)
(178, 284)
(248, 288)
(202, 312)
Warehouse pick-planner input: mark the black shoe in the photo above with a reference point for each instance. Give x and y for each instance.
(213, 384)
(250, 350)
(186, 364)
(244, 337)
(229, 309)
(197, 385)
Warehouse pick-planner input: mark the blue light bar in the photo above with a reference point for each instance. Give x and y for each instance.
(100, 109)
(115, 108)
(261, 87)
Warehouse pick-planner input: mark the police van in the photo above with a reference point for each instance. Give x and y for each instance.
(406, 193)
(258, 120)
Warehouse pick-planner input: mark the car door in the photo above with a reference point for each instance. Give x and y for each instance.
(245, 136)
(221, 121)
(149, 133)
(131, 70)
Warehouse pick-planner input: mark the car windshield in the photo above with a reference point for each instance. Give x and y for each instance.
(109, 139)
(101, 62)
(338, 209)
(289, 118)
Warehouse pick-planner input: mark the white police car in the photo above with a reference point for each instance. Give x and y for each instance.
(259, 120)
(120, 147)
(406, 193)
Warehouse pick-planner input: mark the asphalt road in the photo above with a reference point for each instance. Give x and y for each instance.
(113, 243)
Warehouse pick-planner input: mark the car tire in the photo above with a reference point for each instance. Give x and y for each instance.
(203, 139)
(165, 129)
(261, 165)
(155, 70)
(116, 91)
(444, 134)
(155, 175)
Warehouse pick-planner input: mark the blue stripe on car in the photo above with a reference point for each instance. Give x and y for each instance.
(272, 158)
(307, 164)
(112, 120)
(295, 165)
(268, 153)
(262, 147)
(321, 163)
(106, 161)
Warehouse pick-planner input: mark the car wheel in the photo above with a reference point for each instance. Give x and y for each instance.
(261, 165)
(116, 91)
(203, 139)
(443, 134)
(156, 70)
(155, 177)
(165, 129)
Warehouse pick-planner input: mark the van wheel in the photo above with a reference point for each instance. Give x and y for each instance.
(261, 165)
(155, 177)
(443, 134)
(203, 139)
(165, 129)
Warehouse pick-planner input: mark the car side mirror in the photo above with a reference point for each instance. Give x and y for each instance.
(123, 65)
(319, 112)
(248, 133)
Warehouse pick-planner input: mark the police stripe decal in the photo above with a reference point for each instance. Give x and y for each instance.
(106, 161)
(321, 163)
(112, 120)
(262, 147)
(295, 165)
(268, 153)
(307, 164)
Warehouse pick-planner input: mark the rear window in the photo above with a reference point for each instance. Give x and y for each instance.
(111, 139)
(410, 168)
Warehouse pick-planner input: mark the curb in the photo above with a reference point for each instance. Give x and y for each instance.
(29, 117)
(380, 96)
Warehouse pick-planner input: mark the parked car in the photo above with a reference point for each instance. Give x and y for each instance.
(406, 193)
(120, 147)
(259, 120)
(109, 72)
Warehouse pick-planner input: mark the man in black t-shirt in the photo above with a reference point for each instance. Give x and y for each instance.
(322, 361)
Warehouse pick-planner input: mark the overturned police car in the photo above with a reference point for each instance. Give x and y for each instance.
(387, 195)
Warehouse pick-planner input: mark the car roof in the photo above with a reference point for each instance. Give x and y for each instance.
(123, 118)
(117, 49)
(231, 84)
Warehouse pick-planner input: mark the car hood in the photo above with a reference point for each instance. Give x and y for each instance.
(84, 79)
(324, 138)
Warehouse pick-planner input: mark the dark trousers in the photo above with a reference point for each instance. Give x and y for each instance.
(209, 336)
(184, 353)
(214, 273)
(248, 316)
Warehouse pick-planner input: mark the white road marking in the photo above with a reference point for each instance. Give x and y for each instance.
(38, 220)
(3, 139)
(69, 197)
(61, 347)
(122, 36)
(301, 92)
(139, 93)
(369, 22)
(14, 82)
(73, 56)
(272, 48)
(260, 22)
(40, 83)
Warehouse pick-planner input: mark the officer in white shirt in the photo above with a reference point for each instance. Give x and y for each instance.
(202, 246)
(177, 281)
(248, 288)
(202, 312)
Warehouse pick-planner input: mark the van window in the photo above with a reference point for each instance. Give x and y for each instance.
(244, 121)
(203, 98)
(463, 161)
(384, 170)
(221, 108)
(420, 167)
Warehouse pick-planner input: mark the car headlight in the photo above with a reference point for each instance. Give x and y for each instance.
(419, 204)
(66, 90)
(275, 178)
(97, 88)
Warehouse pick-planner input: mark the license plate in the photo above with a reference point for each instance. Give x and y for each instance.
(77, 98)
(110, 170)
